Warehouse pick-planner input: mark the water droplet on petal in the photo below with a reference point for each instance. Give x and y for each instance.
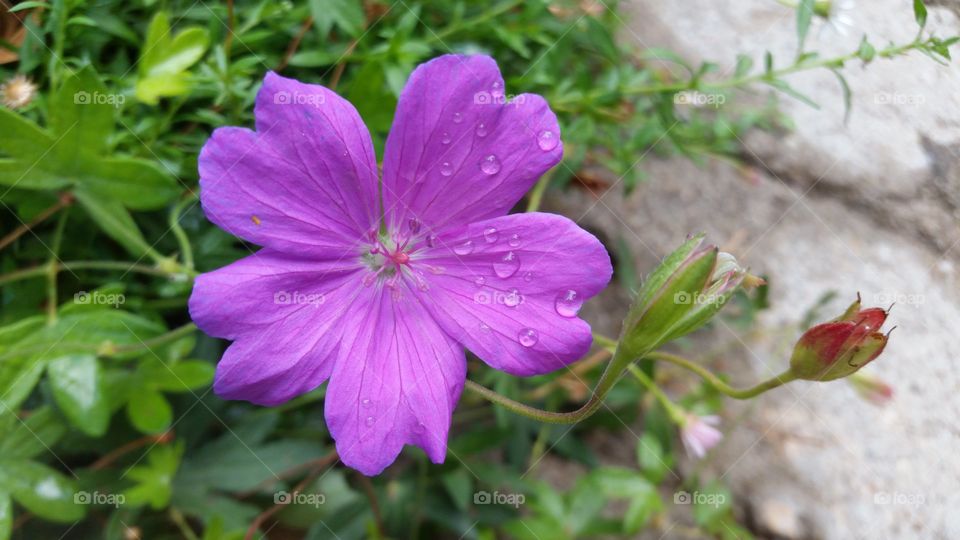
(446, 168)
(480, 281)
(497, 89)
(528, 337)
(445, 138)
(528, 276)
(514, 240)
(366, 402)
(513, 298)
(490, 165)
(484, 327)
(457, 118)
(568, 303)
(414, 225)
(419, 427)
(547, 140)
(481, 130)
(465, 248)
(369, 421)
(490, 234)
(507, 266)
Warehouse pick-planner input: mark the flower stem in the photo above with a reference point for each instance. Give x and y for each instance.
(42, 270)
(536, 196)
(716, 382)
(675, 412)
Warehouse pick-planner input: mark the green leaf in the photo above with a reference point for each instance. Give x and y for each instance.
(155, 478)
(866, 52)
(782, 86)
(744, 65)
(804, 16)
(78, 391)
(40, 489)
(136, 183)
(653, 461)
(82, 116)
(6, 516)
(32, 436)
(847, 95)
(165, 59)
(28, 5)
(22, 138)
(345, 14)
(178, 377)
(178, 54)
(114, 220)
(149, 411)
(920, 13)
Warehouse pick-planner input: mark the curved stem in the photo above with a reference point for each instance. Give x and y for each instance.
(536, 196)
(179, 233)
(42, 270)
(719, 384)
(675, 412)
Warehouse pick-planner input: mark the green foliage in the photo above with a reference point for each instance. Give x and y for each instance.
(107, 417)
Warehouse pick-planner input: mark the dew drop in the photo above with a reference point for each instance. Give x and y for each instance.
(528, 337)
(497, 89)
(419, 427)
(484, 327)
(528, 276)
(446, 168)
(568, 303)
(507, 266)
(514, 240)
(513, 298)
(547, 140)
(480, 281)
(445, 138)
(465, 248)
(481, 130)
(366, 402)
(490, 234)
(370, 420)
(457, 118)
(490, 165)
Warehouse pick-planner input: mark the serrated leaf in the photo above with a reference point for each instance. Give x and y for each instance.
(345, 14)
(149, 411)
(78, 391)
(155, 478)
(165, 59)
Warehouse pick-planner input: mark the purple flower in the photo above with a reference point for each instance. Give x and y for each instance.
(379, 286)
(699, 434)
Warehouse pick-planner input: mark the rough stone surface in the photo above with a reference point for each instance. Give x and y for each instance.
(869, 206)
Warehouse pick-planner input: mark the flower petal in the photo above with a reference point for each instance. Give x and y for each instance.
(452, 116)
(508, 297)
(396, 382)
(285, 314)
(304, 182)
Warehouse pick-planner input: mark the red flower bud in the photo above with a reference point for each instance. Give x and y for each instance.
(835, 349)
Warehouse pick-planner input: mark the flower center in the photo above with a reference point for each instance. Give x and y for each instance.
(390, 257)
